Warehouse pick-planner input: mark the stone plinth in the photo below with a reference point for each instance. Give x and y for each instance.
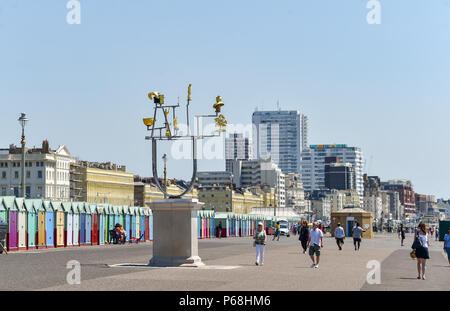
(175, 233)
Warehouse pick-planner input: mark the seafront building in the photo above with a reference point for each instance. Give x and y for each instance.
(101, 183)
(313, 165)
(47, 172)
(281, 136)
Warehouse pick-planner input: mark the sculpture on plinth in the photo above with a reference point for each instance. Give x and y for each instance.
(175, 219)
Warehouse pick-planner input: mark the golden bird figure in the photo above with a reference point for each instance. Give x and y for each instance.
(155, 94)
(158, 98)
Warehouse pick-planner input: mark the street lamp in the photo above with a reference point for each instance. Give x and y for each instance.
(165, 174)
(23, 121)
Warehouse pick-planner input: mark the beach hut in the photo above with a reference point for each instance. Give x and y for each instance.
(211, 225)
(122, 215)
(126, 221)
(101, 223)
(116, 211)
(76, 223)
(11, 219)
(111, 221)
(81, 208)
(3, 212)
(223, 218)
(32, 224)
(41, 232)
(147, 224)
(49, 224)
(68, 224)
(88, 224)
(94, 234)
(133, 222)
(59, 223)
(150, 224)
(142, 223)
(21, 224)
(137, 211)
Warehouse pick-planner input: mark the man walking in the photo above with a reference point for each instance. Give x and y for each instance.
(339, 235)
(315, 242)
(357, 234)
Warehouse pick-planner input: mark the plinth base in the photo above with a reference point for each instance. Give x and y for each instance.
(194, 262)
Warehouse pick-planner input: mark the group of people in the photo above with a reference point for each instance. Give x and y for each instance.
(339, 235)
(312, 239)
(120, 235)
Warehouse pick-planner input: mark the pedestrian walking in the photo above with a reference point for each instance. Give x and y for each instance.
(421, 250)
(339, 236)
(219, 228)
(402, 233)
(260, 238)
(447, 244)
(315, 243)
(437, 235)
(304, 235)
(357, 235)
(277, 231)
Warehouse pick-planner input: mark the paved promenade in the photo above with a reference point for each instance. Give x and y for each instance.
(230, 266)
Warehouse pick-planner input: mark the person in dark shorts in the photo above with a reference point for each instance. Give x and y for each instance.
(315, 243)
(304, 235)
(339, 235)
(357, 235)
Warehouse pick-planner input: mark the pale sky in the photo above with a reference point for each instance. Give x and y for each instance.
(384, 88)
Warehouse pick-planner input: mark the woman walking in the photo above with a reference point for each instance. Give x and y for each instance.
(422, 253)
(260, 241)
(304, 235)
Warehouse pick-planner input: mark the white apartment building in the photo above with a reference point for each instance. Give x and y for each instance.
(260, 172)
(47, 172)
(281, 136)
(312, 165)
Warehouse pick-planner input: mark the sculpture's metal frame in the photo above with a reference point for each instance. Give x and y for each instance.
(172, 134)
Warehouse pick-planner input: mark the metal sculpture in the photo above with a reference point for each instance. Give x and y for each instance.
(170, 131)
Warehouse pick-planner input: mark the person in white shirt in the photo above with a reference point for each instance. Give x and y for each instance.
(422, 253)
(339, 235)
(315, 242)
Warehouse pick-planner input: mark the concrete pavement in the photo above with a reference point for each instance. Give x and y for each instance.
(285, 268)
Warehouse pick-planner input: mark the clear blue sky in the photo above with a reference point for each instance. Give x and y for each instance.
(384, 88)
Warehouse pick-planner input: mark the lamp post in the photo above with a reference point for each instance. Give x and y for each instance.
(23, 121)
(165, 174)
